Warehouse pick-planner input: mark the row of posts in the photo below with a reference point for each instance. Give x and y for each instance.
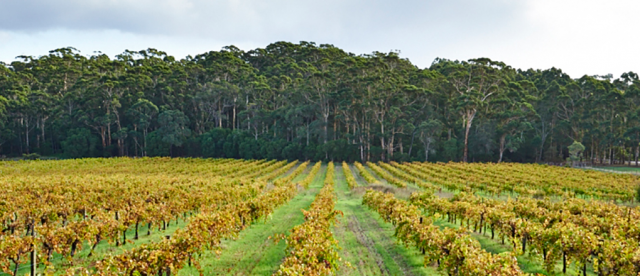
(34, 257)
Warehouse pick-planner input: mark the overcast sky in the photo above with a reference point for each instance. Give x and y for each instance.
(593, 37)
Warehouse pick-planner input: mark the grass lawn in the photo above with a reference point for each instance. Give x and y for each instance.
(623, 169)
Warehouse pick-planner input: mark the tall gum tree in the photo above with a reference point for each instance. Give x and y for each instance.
(629, 84)
(389, 92)
(56, 73)
(512, 112)
(474, 82)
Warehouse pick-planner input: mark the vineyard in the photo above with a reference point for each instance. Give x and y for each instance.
(163, 216)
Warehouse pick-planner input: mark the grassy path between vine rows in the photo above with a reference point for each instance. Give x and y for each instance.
(254, 252)
(367, 242)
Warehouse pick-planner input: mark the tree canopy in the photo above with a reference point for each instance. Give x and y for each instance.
(310, 101)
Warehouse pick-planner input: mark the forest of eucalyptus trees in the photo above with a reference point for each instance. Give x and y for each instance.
(309, 101)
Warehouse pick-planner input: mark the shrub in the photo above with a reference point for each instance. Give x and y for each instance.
(31, 156)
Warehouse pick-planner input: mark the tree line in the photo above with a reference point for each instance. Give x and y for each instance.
(310, 102)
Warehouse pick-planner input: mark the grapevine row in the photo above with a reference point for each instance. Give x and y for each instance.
(351, 181)
(365, 174)
(262, 169)
(65, 212)
(566, 231)
(204, 232)
(312, 175)
(311, 247)
(386, 176)
(280, 171)
(300, 169)
(525, 179)
(406, 176)
(454, 251)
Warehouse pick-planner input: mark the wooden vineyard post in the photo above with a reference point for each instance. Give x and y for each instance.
(168, 269)
(34, 255)
(423, 249)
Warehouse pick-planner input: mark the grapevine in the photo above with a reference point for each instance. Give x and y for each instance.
(365, 174)
(386, 176)
(454, 251)
(351, 181)
(311, 247)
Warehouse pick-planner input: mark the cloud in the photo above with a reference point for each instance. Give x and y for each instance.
(579, 36)
(135, 16)
(250, 18)
(420, 29)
